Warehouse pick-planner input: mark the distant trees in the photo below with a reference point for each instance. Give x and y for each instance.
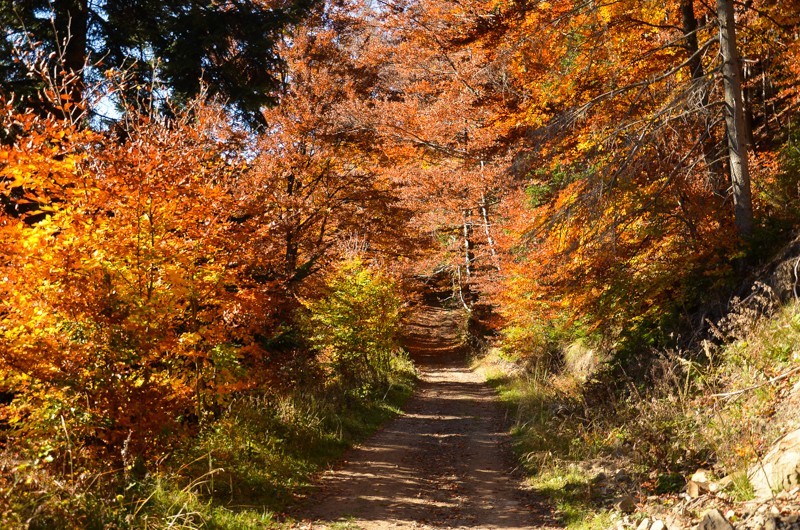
(574, 152)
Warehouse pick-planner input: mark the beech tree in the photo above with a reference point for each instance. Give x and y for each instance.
(735, 126)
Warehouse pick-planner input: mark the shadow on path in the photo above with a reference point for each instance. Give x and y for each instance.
(445, 463)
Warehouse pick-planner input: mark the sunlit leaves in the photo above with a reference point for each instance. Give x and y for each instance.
(116, 253)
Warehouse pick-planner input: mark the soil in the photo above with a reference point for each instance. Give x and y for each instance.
(447, 462)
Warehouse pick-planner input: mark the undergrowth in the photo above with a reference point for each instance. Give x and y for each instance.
(251, 458)
(716, 407)
(241, 472)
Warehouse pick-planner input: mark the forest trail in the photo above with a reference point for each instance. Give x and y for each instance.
(445, 463)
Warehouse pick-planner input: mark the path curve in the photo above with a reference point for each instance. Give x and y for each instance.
(445, 463)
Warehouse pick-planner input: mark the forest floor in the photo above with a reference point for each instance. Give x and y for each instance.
(447, 462)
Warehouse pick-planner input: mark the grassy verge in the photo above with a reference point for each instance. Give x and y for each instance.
(716, 408)
(548, 447)
(242, 471)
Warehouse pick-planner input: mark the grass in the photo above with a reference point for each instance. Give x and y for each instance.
(715, 408)
(263, 454)
(573, 492)
(241, 472)
(548, 446)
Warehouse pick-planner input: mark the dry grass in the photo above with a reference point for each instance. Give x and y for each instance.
(718, 407)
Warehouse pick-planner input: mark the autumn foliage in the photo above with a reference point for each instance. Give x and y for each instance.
(566, 165)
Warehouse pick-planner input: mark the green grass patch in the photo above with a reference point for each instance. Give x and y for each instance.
(574, 495)
(261, 456)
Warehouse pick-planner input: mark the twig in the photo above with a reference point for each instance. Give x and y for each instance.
(769, 382)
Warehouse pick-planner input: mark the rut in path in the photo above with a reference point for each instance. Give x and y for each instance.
(445, 463)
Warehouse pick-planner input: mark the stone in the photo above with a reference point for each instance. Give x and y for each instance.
(658, 525)
(701, 475)
(695, 489)
(714, 520)
(644, 524)
(621, 477)
(700, 483)
(720, 485)
(779, 469)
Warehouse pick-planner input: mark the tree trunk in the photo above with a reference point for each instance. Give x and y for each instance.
(735, 120)
(489, 239)
(710, 154)
(468, 252)
(690, 31)
(291, 251)
(72, 25)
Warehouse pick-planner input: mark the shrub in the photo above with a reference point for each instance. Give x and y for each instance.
(353, 329)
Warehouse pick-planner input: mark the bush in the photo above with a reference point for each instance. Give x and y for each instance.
(353, 329)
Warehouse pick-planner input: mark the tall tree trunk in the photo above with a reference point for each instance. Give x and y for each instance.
(710, 154)
(72, 25)
(468, 252)
(489, 238)
(291, 251)
(690, 31)
(735, 120)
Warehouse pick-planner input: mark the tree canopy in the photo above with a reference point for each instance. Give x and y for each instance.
(230, 46)
(570, 168)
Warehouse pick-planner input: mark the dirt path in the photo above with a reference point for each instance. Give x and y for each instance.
(444, 464)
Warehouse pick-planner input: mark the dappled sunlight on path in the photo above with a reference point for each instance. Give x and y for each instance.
(444, 464)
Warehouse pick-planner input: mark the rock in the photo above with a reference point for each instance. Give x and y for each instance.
(783, 278)
(621, 477)
(756, 521)
(779, 469)
(626, 504)
(658, 525)
(714, 520)
(720, 484)
(644, 524)
(674, 522)
(702, 476)
(771, 524)
(695, 489)
(700, 483)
